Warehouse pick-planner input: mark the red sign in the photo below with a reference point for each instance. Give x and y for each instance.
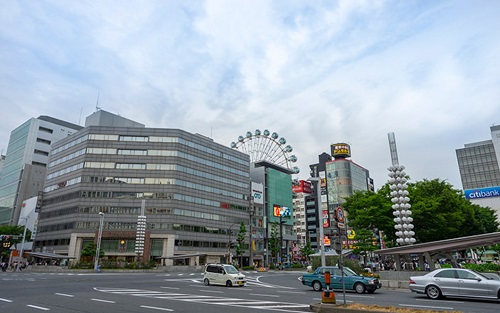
(326, 219)
(303, 186)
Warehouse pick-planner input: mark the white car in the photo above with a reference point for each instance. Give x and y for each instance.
(455, 282)
(223, 274)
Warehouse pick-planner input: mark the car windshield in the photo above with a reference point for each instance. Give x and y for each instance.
(230, 269)
(349, 272)
(482, 275)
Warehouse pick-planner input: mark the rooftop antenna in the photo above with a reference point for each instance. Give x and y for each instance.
(80, 117)
(97, 107)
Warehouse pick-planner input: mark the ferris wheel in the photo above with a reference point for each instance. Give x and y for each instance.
(264, 146)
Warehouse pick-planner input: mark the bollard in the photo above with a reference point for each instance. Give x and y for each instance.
(328, 296)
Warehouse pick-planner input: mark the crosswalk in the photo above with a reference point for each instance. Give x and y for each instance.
(251, 281)
(226, 301)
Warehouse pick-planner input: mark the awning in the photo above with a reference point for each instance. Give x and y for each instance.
(46, 255)
(448, 245)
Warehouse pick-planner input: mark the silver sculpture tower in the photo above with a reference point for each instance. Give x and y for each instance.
(400, 199)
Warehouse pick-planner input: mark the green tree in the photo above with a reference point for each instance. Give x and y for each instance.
(369, 210)
(90, 249)
(441, 212)
(274, 241)
(364, 243)
(15, 234)
(438, 211)
(241, 245)
(306, 251)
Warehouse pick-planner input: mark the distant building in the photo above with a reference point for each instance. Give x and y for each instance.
(25, 165)
(479, 168)
(191, 190)
(339, 177)
(301, 190)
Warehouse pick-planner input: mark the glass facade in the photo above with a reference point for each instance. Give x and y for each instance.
(343, 179)
(279, 192)
(14, 160)
(29, 144)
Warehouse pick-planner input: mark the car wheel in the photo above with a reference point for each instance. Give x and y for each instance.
(206, 282)
(360, 288)
(229, 283)
(433, 292)
(317, 286)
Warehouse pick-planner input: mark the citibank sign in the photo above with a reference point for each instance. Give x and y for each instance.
(482, 193)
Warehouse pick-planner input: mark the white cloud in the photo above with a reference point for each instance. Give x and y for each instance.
(315, 72)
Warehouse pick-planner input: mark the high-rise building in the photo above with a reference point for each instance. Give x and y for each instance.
(339, 177)
(24, 168)
(278, 205)
(301, 190)
(189, 189)
(479, 168)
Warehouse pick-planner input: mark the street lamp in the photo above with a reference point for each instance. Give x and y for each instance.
(99, 238)
(251, 211)
(22, 243)
(229, 230)
(316, 180)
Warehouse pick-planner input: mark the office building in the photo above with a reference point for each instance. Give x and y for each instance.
(191, 190)
(339, 178)
(278, 205)
(479, 168)
(24, 168)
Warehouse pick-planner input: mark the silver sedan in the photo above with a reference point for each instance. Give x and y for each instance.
(455, 282)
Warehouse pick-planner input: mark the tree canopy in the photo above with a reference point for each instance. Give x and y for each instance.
(15, 234)
(438, 211)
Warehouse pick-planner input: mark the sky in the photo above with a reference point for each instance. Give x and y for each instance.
(315, 72)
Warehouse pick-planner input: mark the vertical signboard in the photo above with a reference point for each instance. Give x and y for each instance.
(257, 193)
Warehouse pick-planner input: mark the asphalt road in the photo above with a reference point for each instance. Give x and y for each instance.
(23, 292)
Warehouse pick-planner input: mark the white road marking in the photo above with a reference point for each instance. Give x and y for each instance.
(170, 288)
(256, 294)
(213, 291)
(5, 300)
(38, 307)
(100, 300)
(63, 294)
(156, 308)
(234, 302)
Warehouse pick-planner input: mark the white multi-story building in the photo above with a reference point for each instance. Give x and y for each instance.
(24, 168)
(479, 167)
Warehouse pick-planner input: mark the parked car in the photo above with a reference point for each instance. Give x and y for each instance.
(455, 282)
(352, 281)
(223, 274)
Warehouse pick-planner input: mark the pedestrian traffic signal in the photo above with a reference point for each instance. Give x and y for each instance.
(5, 238)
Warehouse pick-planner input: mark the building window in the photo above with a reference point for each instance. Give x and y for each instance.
(44, 129)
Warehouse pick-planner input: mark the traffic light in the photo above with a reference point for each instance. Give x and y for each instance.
(5, 241)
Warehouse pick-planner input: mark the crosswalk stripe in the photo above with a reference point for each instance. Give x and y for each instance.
(236, 302)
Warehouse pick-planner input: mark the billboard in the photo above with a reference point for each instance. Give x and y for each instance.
(282, 211)
(482, 193)
(341, 150)
(257, 193)
(303, 186)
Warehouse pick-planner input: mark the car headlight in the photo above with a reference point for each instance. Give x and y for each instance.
(371, 282)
